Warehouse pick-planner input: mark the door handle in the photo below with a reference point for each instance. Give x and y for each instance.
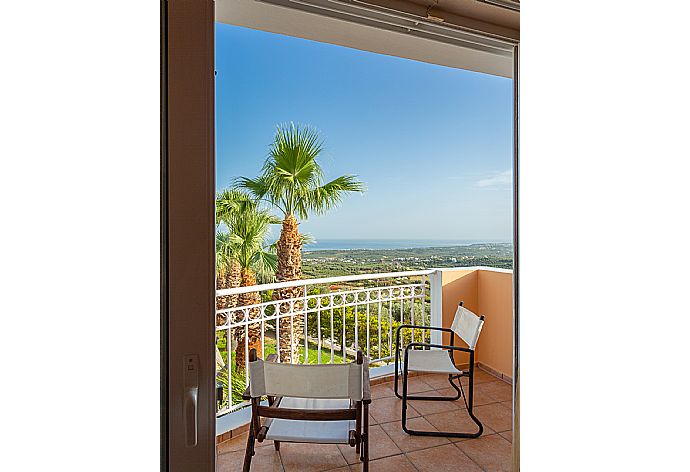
(191, 399)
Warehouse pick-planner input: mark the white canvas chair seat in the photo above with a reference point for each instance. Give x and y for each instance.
(327, 432)
(435, 361)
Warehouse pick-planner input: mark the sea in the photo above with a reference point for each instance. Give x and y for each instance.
(344, 244)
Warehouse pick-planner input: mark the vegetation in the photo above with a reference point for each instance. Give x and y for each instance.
(244, 245)
(292, 182)
(361, 326)
(330, 263)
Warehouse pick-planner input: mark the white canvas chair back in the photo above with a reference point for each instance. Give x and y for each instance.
(467, 326)
(306, 381)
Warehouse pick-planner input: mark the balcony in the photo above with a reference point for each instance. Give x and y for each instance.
(344, 314)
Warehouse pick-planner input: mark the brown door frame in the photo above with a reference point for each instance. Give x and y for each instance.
(187, 236)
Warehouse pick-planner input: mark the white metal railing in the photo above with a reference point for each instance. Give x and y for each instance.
(335, 316)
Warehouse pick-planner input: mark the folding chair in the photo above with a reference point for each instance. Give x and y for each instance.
(326, 403)
(439, 360)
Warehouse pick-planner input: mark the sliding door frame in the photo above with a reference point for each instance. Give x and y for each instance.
(188, 233)
(188, 419)
(516, 261)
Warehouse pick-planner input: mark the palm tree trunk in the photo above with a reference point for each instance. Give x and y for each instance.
(289, 251)
(252, 334)
(234, 280)
(227, 279)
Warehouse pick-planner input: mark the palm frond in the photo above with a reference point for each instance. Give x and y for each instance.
(231, 201)
(224, 256)
(307, 238)
(258, 187)
(265, 264)
(292, 178)
(329, 195)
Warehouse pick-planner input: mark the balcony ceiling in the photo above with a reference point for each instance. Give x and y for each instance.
(484, 15)
(321, 24)
(476, 9)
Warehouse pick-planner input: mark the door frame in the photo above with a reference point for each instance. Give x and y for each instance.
(188, 230)
(187, 236)
(516, 254)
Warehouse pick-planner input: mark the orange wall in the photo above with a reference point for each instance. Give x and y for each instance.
(487, 293)
(458, 285)
(495, 294)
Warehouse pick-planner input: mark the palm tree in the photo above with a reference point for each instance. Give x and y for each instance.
(292, 181)
(228, 203)
(245, 245)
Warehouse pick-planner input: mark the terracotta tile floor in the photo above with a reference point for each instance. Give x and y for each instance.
(391, 449)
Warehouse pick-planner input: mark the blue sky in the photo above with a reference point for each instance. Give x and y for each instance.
(433, 144)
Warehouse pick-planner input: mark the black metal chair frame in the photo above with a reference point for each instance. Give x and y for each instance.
(469, 399)
(358, 411)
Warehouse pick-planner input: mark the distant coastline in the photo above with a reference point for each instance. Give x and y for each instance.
(379, 244)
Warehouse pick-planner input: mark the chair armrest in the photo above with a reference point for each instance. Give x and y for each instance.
(443, 346)
(435, 328)
(366, 383)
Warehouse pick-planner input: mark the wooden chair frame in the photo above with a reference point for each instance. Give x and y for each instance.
(358, 411)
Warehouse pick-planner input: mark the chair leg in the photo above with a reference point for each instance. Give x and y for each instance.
(365, 440)
(249, 452)
(461, 392)
(470, 403)
(358, 428)
(404, 395)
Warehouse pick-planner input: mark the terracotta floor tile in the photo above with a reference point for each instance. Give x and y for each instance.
(414, 385)
(382, 390)
(495, 416)
(480, 396)
(398, 463)
(507, 435)
(481, 376)
(385, 410)
(493, 453)
(310, 457)
(380, 445)
(442, 459)
(407, 442)
(233, 445)
(456, 421)
(426, 407)
(436, 381)
(266, 459)
(238, 444)
(499, 390)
